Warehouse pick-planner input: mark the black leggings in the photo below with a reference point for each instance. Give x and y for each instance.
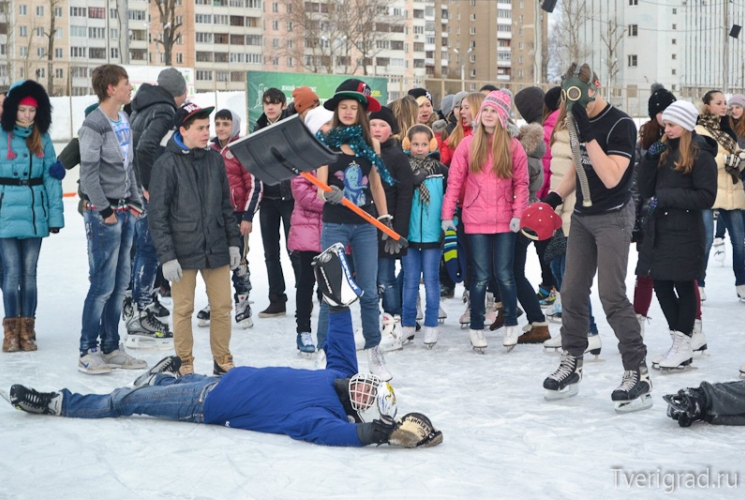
(680, 309)
(304, 291)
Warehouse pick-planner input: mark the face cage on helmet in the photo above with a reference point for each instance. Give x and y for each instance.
(371, 398)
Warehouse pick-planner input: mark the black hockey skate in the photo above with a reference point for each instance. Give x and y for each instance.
(564, 382)
(169, 364)
(128, 309)
(203, 317)
(32, 401)
(145, 331)
(688, 406)
(334, 277)
(158, 309)
(634, 393)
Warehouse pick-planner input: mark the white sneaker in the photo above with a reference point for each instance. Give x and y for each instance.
(641, 319)
(390, 336)
(430, 336)
(698, 339)
(680, 354)
(376, 364)
(702, 293)
(478, 341)
(93, 363)
(120, 359)
(510, 336)
(359, 339)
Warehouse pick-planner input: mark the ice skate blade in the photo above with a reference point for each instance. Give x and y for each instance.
(430, 346)
(246, 323)
(702, 349)
(441, 321)
(685, 365)
(203, 323)
(479, 350)
(742, 374)
(641, 403)
(509, 348)
(552, 349)
(464, 326)
(138, 342)
(568, 392)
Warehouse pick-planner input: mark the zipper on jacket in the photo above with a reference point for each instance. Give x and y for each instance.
(2, 195)
(43, 208)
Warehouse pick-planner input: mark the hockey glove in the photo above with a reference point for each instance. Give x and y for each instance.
(415, 431)
(584, 128)
(553, 198)
(376, 432)
(172, 271)
(334, 196)
(655, 150)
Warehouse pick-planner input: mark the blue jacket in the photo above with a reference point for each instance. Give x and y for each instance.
(425, 223)
(28, 211)
(302, 404)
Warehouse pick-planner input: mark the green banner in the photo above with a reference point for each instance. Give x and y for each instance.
(323, 85)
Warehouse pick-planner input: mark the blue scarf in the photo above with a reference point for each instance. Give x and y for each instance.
(352, 137)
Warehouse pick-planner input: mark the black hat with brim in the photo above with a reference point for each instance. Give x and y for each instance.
(191, 109)
(353, 89)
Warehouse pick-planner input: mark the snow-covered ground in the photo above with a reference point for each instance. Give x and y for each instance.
(501, 439)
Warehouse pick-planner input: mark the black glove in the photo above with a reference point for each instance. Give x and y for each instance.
(584, 128)
(334, 196)
(54, 230)
(553, 198)
(655, 150)
(376, 432)
(732, 167)
(419, 177)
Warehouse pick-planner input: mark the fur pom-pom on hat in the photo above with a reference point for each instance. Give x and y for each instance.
(660, 99)
(17, 93)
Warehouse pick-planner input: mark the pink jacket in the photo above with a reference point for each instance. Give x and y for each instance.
(490, 202)
(305, 222)
(548, 129)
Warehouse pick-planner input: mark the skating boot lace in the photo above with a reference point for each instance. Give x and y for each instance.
(566, 368)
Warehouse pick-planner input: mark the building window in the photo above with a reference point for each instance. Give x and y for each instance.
(22, 10)
(40, 52)
(59, 73)
(97, 53)
(223, 19)
(113, 33)
(114, 53)
(96, 32)
(473, 73)
(275, 7)
(675, 11)
(674, 56)
(58, 53)
(674, 41)
(473, 30)
(180, 58)
(290, 62)
(24, 51)
(78, 12)
(97, 13)
(203, 75)
(113, 14)
(675, 26)
(222, 76)
(78, 31)
(675, 72)
(632, 60)
(59, 33)
(275, 61)
(238, 76)
(78, 52)
(23, 31)
(58, 12)
(39, 32)
(41, 73)
(198, 18)
(40, 10)
(633, 30)
(633, 2)
(275, 25)
(204, 37)
(138, 15)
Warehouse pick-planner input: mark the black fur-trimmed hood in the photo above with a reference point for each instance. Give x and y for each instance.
(17, 92)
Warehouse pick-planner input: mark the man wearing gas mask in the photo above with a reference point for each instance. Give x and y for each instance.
(602, 138)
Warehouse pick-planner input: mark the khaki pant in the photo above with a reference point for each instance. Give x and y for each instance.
(218, 294)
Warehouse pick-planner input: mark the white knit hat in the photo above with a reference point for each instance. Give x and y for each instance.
(316, 118)
(682, 113)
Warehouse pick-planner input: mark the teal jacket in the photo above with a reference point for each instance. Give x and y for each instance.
(29, 210)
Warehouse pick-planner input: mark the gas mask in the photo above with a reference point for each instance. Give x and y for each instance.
(575, 91)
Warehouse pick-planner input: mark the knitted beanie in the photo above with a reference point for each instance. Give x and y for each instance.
(316, 118)
(660, 99)
(446, 106)
(682, 113)
(386, 115)
(304, 98)
(737, 100)
(499, 101)
(529, 103)
(173, 81)
(552, 99)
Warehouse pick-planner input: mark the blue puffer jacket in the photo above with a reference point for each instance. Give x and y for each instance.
(28, 211)
(425, 222)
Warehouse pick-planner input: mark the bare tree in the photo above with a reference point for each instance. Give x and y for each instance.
(566, 43)
(7, 14)
(169, 27)
(51, 35)
(612, 37)
(368, 25)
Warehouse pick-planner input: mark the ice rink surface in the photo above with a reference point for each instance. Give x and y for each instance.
(501, 439)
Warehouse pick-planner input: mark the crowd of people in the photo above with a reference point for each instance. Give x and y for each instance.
(462, 176)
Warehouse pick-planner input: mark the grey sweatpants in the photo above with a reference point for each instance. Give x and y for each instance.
(600, 242)
(725, 402)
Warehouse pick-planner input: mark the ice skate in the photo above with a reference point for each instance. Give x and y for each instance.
(491, 310)
(687, 406)
(203, 317)
(391, 336)
(305, 344)
(359, 339)
(158, 309)
(446, 292)
(535, 333)
(594, 344)
(165, 292)
(169, 365)
(564, 382)
(376, 364)
(128, 309)
(554, 314)
(145, 331)
(634, 393)
(509, 340)
(465, 318)
(549, 300)
(656, 360)
(31, 401)
(680, 354)
(430, 336)
(334, 277)
(720, 252)
(222, 365)
(407, 334)
(243, 311)
(441, 315)
(478, 341)
(698, 339)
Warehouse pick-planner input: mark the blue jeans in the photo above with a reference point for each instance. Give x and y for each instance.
(109, 269)
(735, 224)
(19, 281)
(417, 263)
(558, 267)
(169, 398)
(492, 255)
(145, 265)
(363, 239)
(388, 286)
(525, 292)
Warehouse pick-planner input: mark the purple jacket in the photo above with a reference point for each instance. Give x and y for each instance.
(305, 223)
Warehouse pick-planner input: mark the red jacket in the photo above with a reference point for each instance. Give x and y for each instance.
(245, 189)
(490, 202)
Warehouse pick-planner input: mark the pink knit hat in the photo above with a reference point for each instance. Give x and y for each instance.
(501, 102)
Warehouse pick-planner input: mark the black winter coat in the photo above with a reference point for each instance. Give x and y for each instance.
(190, 213)
(674, 246)
(397, 196)
(153, 115)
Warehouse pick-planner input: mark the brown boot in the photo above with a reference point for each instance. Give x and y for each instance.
(223, 365)
(27, 334)
(11, 330)
(499, 322)
(535, 333)
(276, 307)
(187, 366)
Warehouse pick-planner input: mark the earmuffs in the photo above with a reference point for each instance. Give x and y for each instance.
(433, 146)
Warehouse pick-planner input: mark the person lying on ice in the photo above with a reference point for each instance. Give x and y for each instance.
(718, 404)
(336, 406)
